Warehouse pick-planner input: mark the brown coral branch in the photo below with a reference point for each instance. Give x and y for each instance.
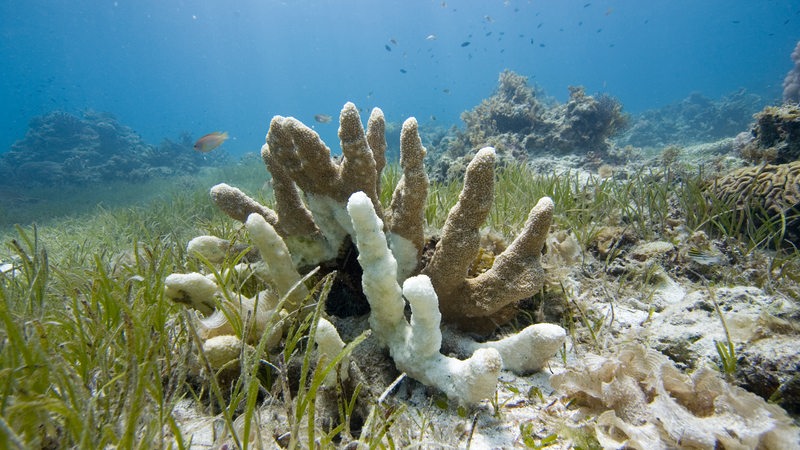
(376, 139)
(407, 211)
(298, 151)
(516, 273)
(482, 302)
(358, 166)
(239, 205)
(460, 239)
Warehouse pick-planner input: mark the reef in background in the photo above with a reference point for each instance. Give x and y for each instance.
(695, 119)
(791, 84)
(773, 138)
(519, 123)
(62, 148)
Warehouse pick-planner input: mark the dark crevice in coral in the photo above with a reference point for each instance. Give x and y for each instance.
(346, 298)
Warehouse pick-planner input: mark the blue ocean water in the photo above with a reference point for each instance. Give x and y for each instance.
(168, 66)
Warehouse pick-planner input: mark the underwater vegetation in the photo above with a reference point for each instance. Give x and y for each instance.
(95, 323)
(355, 303)
(93, 338)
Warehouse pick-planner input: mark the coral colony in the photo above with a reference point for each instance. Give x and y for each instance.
(324, 207)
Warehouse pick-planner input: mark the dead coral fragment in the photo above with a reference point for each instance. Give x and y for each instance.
(645, 402)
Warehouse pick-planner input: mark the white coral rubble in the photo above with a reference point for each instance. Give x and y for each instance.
(645, 402)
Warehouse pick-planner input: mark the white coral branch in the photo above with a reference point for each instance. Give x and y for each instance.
(414, 346)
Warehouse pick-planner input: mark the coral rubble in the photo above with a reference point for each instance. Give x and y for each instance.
(61, 148)
(645, 402)
(325, 209)
(519, 125)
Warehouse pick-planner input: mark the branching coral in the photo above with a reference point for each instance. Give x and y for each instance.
(515, 274)
(314, 223)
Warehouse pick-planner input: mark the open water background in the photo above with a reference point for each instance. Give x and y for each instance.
(168, 66)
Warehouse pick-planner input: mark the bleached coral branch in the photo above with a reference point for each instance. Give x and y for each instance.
(414, 346)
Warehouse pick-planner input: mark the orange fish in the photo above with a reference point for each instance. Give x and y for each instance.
(210, 141)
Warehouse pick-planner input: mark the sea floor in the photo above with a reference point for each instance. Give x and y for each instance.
(665, 346)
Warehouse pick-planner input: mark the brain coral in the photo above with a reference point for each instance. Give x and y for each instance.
(774, 189)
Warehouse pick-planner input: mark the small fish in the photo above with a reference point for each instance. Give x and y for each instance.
(488, 19)
(465, 43)
(704, 257)
(322, 118)
(433, 118)
(388, 49)
(403, 71)
(393, 41)
(586, 5)
(431, 37)
(446, 91)
(210, 141)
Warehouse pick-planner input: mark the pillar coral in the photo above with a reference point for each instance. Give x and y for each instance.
(312, 222)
